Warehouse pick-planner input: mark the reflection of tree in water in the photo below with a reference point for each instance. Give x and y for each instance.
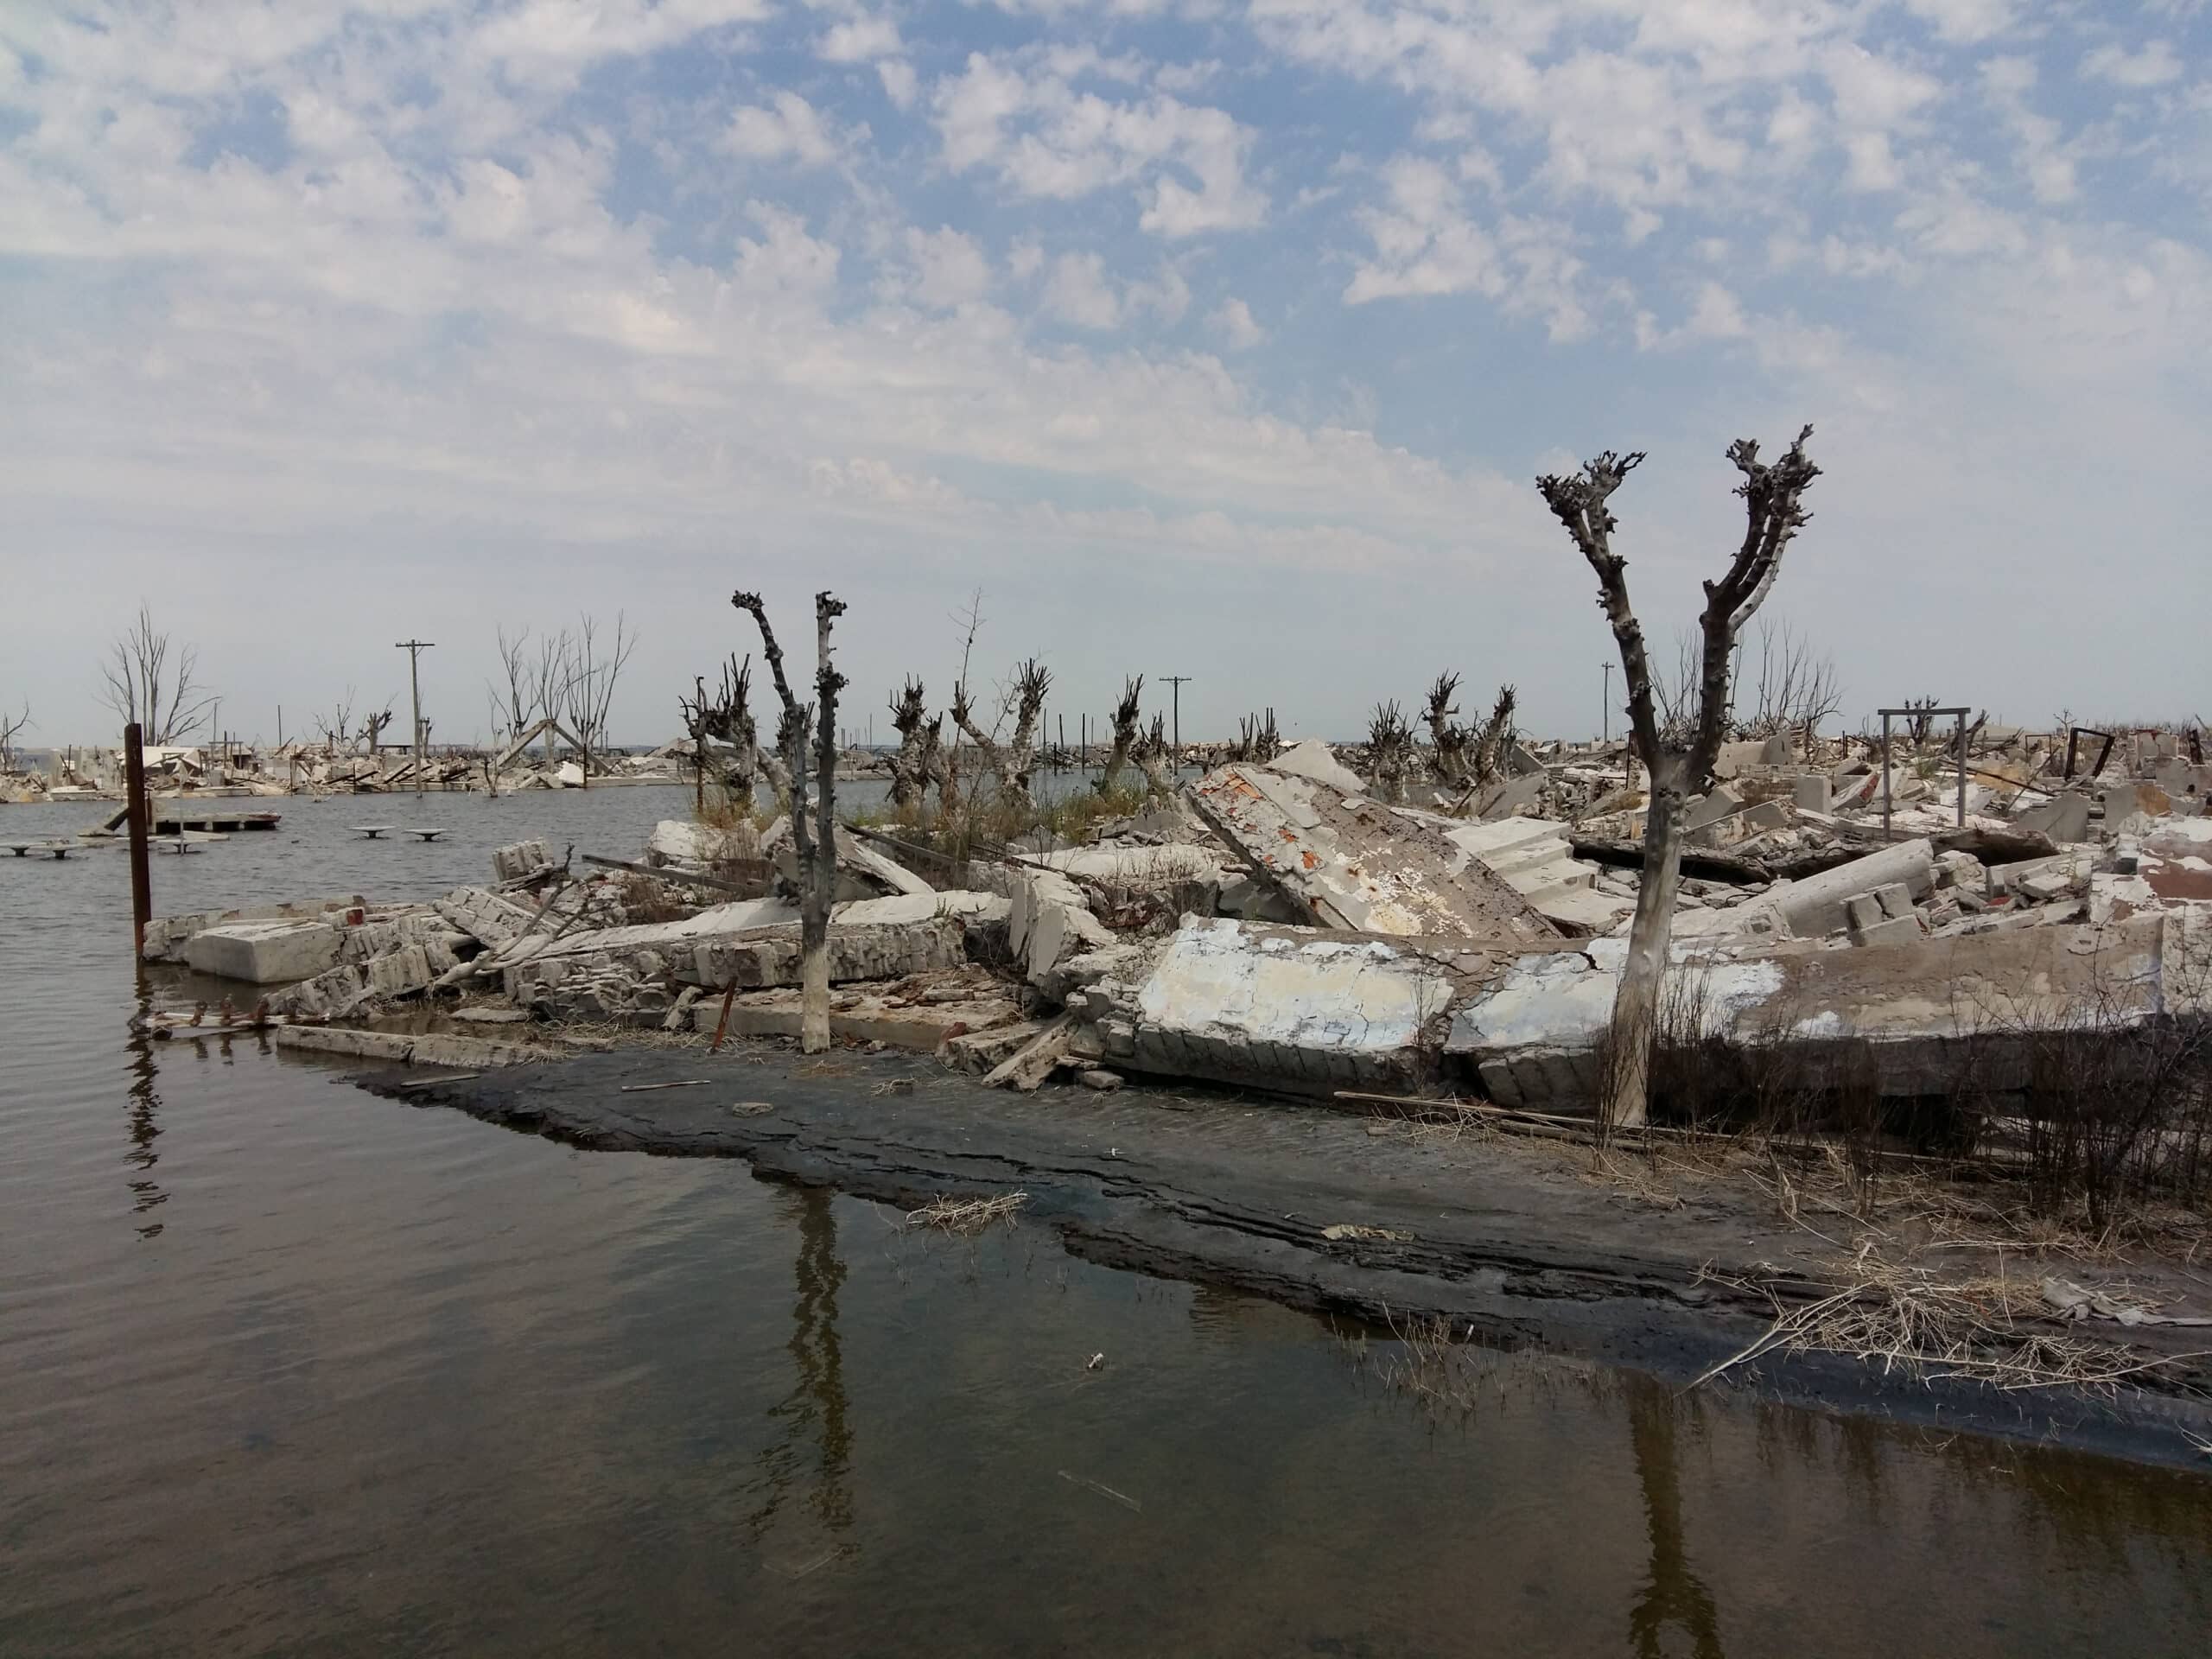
(814, 1410)
(144, 1118)
(1672, 1594)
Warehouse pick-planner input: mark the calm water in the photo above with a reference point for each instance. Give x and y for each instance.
(287, 1369)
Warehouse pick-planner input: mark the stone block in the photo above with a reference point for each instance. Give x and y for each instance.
(1900, 930)
(1862, 910)
(266, 952)
(1767, 815)
(2064, 817)
(399, 973)
(1895, 899)
(1312, 758)
(521, 859)
(1813, 793)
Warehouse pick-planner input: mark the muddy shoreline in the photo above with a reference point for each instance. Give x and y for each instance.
(1502, 1238)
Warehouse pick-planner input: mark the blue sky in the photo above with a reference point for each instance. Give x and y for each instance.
(1216, 339)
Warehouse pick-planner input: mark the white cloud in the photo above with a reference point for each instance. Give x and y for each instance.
(899, 83)
(2155, 65)
(1046, 138)
(1232, 321)
(788, 127)
(860, 40)
(950, 268)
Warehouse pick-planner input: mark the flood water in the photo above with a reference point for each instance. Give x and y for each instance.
(289, 1369)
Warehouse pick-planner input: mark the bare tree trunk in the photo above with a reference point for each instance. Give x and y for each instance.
(1631, 1039)
(816, 843)
(1126, 715)
(1772, 496)
(820, 875)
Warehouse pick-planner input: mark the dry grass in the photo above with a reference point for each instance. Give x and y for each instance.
(967, 1216)
(1935, 1326)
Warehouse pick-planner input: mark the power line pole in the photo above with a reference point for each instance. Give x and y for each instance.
(415, 648)
(1179, 681)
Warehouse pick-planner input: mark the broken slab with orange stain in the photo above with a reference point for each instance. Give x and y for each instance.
(1349, 861)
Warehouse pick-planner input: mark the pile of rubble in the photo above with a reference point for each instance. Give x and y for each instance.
(1277, 926)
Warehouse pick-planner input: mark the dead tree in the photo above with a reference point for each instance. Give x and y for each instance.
(915, 764)
(591, 679)
(1127, 713)
(142, 682)
(724, 717)
(372, 729)
(1448, 740)
(815, 844)
(1155, 758)
(1257, 739)
(1488, 758)
(12, 726)
(1772, 496)
(1796, 688)
(1920, 721)
(1013, 761)
(339, 728)
(1390, 752)
(512, 709)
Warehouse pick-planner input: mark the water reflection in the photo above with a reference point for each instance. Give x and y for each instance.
(811, 1419)
(1672, 1592)
(142, 1115)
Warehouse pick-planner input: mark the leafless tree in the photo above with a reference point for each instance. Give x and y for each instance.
(1155, 758)
(512, 710)
(591, 679)
(919, 734)
(1796, 687)
(339, 728)
(1772, 497)
(1127, 713)
(1496, 737)
(372, 729)
(1448, 740)
(11, 727)
(1389, 751)
(817, 845)
(551, 674)
(1012, 761)
(724, 717)
(1922, 721)
(143, 682)
(1257, 739)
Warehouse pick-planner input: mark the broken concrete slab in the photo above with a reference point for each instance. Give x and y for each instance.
(408, 1048)
(1291, 1008)
(1311, 757)
(1814, 905)
(922, 1027)
(521, 860)
(2064, 817)
(1357, 864)
(272, 952)
(1048, 923)
(1962, 1015)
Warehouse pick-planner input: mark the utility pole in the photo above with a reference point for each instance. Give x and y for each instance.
(1606, 706)
(415, 648)
(1179, 681)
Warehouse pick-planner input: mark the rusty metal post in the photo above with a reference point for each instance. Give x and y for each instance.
(1886, 776)
(1962, 771)
(142, 878)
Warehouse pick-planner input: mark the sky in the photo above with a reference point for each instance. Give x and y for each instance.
(1207, 337)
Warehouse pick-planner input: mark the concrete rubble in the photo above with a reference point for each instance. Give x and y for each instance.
(1279, 928)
